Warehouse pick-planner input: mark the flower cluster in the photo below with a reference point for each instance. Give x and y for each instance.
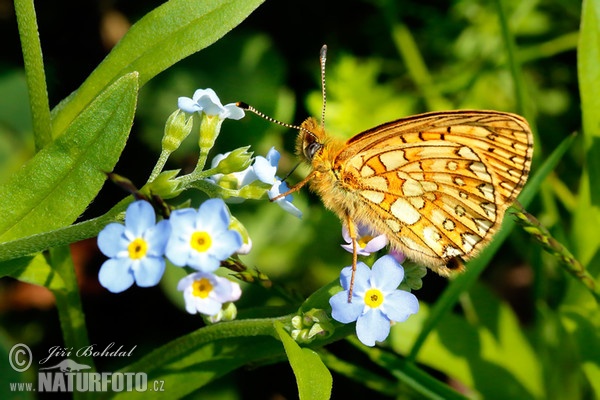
(199, 239)
(203, 239)
(261, 174)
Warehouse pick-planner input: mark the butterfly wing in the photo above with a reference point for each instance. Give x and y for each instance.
(437, 184)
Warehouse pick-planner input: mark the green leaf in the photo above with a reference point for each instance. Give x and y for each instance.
(587, 215)
(162, 37)
(56, 186)
(491, 355)
(312, 376)
(196, 359)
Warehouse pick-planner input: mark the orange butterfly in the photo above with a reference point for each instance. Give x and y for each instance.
(436, 184)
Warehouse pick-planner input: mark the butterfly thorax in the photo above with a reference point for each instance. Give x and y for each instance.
(327, 177)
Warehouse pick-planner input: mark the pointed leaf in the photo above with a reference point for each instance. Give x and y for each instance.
(312, 376)
(56, 185)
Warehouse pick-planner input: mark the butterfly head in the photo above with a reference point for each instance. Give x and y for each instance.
(310, 139)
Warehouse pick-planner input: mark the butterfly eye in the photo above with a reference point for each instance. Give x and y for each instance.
(311, 149)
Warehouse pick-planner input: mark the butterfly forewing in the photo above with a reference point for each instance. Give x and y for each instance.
(438, 183)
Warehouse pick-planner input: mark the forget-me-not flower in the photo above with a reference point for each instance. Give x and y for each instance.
(201, 238)
(284, 202)
(368, 241)
(376, 301)
(205, 293)
(262, 169)
(207, 101)
(136, 249)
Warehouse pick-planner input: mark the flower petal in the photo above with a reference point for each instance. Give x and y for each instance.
(207, 306)
(376, 244)
(188, 105)
(387, 274)
(111, 240)
(178, 249)
(212, 216)
(361, 278)
(139, 217)
(225, 244)
(399, 305)
(278, 188)
(115, 274)
(225, 290)
(149, 271)
(203, 262)
(342, 311)
(232, 111)
(371, 327)
(157, 238)
(265, 171)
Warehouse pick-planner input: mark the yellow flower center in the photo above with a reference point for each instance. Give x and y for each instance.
(363, 241)
(373, 298)
(201, 241)
(202, 288)
(137, 249)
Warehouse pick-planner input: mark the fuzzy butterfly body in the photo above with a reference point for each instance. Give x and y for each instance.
(436, 184)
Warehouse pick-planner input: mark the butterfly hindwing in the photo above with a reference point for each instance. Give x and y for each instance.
(437, 184)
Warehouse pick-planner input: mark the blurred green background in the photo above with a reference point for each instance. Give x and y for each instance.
(386, 60)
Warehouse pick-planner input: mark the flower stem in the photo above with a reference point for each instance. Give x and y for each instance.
(68, 303)
(532, 226)
(160, 164)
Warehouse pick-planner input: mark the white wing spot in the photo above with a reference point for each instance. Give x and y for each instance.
(431, 235)
(392, 160)
(376, 182)
(469, 241)
(417, 202)
(393, 224)
(411, 188)
(451, 251)
(482, 224)
(487, 190)
(449, 225)
(489, 208)
(406, 213)
(373, 196)
(468, 153)
(452, 165)
(366, 171)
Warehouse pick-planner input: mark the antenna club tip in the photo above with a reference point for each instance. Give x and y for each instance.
(242, 105)
(323, 50)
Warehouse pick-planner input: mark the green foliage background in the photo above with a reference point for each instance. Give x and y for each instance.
(516, 325)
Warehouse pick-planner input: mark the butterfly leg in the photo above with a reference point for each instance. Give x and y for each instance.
(352, 231)
(296, 187)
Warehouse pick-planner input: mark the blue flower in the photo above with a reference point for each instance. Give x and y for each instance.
(368, 241)
(284, 202)
(207, 101)
(202, 239)
(205, 293)
(376, 302)
(263, 169)
(136, 249)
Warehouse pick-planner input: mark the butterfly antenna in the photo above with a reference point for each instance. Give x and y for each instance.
(248, 107)
(323, 59)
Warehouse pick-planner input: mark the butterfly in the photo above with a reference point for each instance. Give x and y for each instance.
(436, 184)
